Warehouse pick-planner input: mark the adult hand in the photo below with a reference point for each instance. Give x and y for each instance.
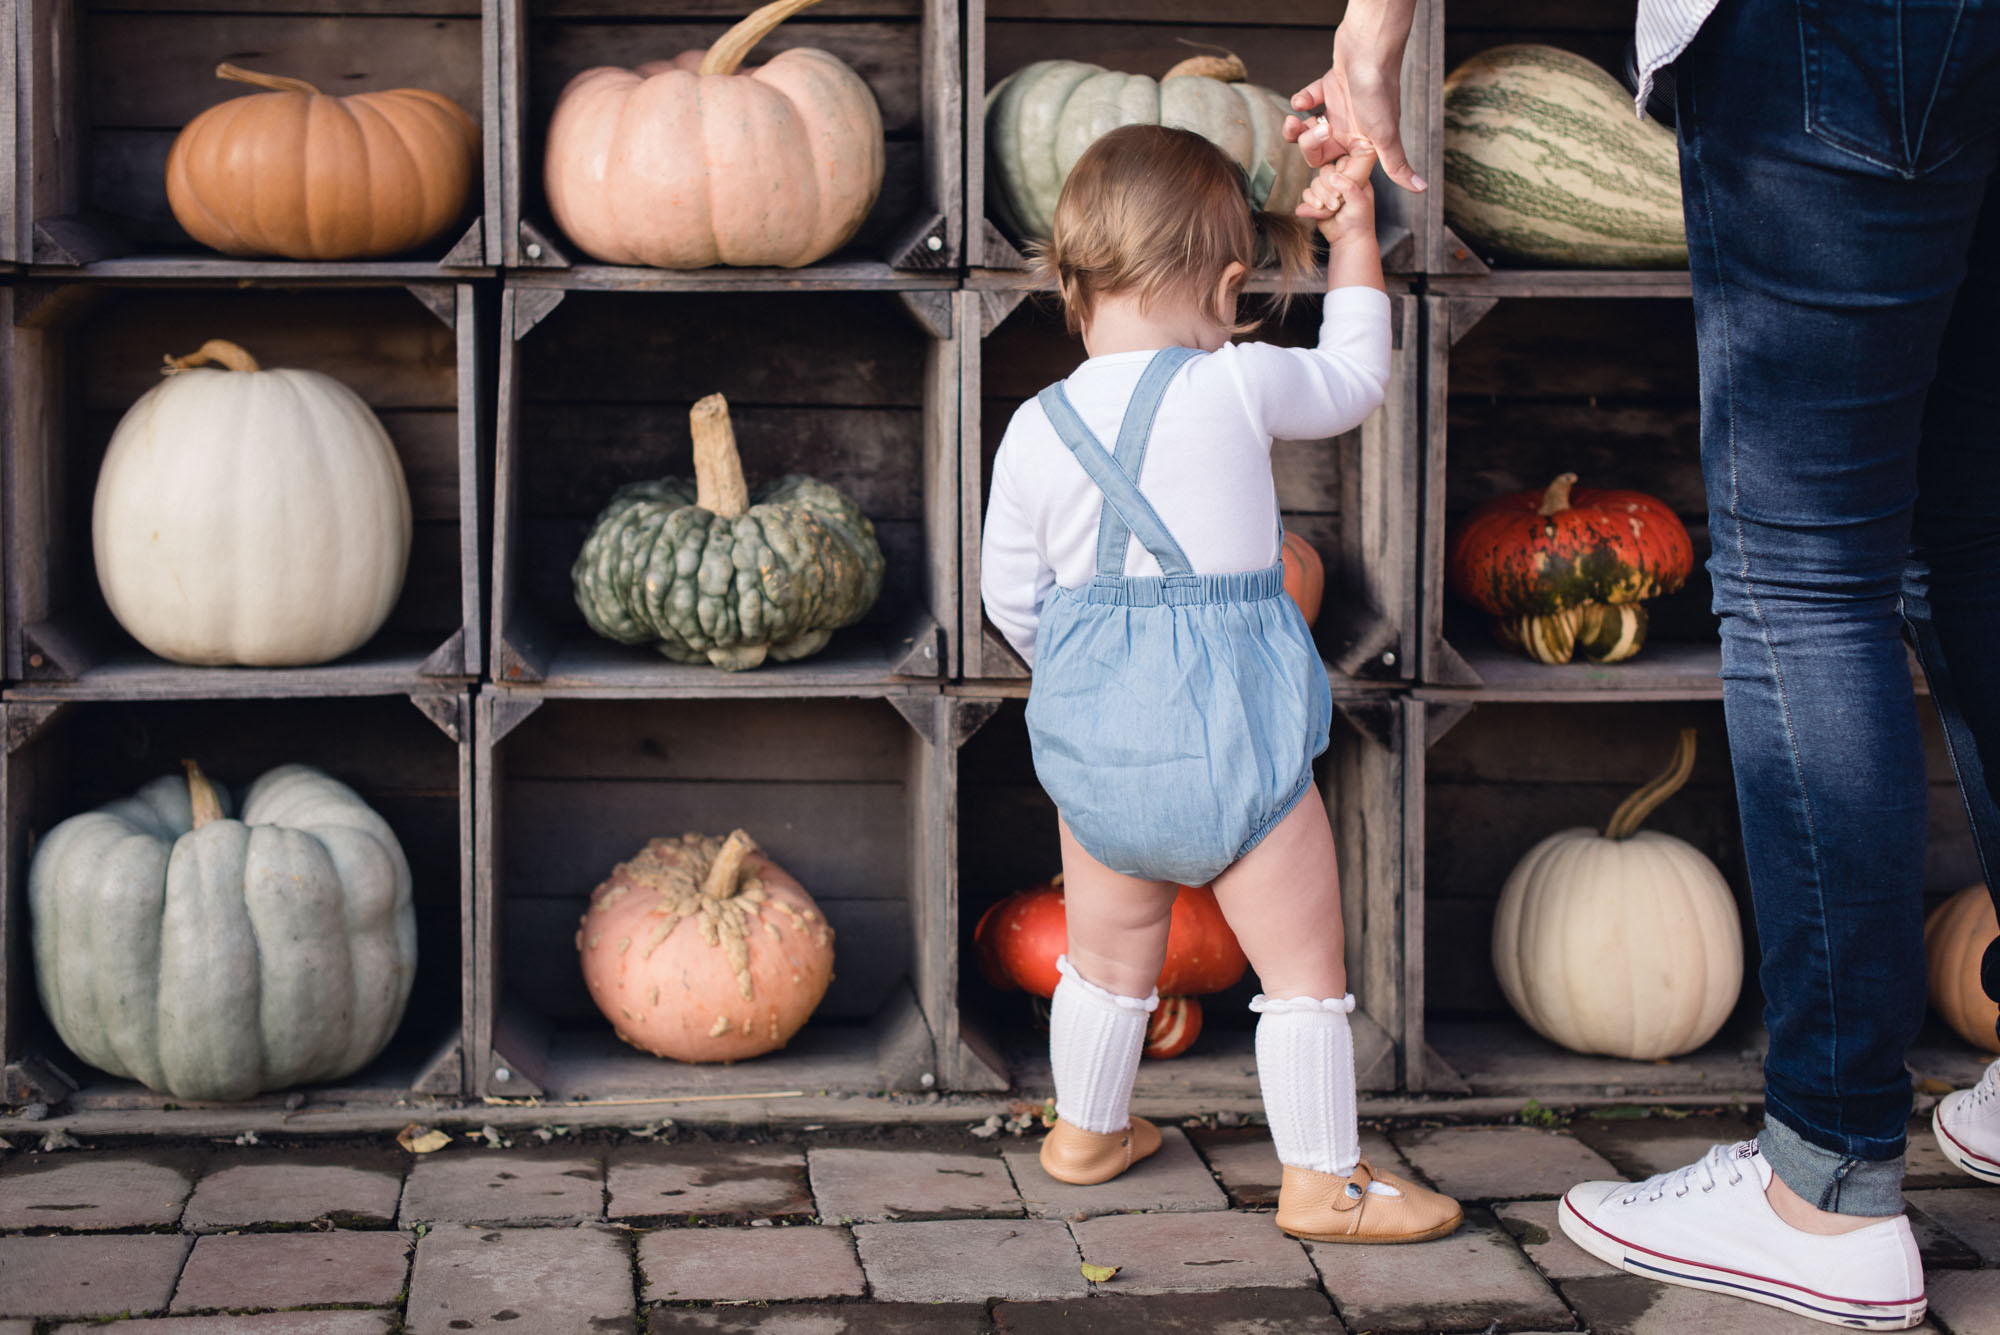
(1361, 92)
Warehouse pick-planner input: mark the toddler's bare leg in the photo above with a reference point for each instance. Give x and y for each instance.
(1117, 924)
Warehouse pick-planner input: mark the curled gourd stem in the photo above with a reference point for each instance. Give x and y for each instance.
(215, 350)
(727, 869)
(1633, 811)
(729, 51)
(1226, 67)
(201, 795)
(1556, 499)
(276, 83)
(718, 468)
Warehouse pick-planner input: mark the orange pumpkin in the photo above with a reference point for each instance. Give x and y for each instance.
(1173, 1028)
(1955, 939)
(301, 174)
(704, 950)
(1305, 576)
(688, 162)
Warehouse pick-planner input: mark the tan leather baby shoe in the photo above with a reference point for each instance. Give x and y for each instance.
(1365, 1207)
(1085, 1158)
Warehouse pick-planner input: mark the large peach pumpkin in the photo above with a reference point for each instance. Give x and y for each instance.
(309, 176)
(1955, 939)
(704, 950)
(688, 162)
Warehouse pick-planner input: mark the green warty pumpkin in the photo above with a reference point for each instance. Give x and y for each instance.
(214, 958)
(704, 572)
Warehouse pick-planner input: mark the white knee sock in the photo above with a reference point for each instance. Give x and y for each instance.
(1305, 1065)
(1094, 1044)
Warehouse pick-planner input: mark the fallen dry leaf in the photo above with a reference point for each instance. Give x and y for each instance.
(1932, 1085)
(421, 1139)
(1097, 1274)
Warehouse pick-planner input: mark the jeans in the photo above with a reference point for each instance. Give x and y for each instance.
(1835, 159)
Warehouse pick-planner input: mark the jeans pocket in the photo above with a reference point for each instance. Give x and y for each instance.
(1886, 81)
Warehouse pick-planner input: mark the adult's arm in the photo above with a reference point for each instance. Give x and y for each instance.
(1361, 91)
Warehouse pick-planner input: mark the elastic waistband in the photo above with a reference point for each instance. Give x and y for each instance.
(1242, 586)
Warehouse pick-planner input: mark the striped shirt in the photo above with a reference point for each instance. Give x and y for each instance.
(1665, 29)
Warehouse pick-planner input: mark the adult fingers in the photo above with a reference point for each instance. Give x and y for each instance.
(1379, 123)
(1312, 95)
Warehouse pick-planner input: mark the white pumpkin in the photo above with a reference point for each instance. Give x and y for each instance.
(250, 517)
(1625, 943)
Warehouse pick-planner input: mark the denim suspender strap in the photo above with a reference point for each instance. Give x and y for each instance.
(1126, 513)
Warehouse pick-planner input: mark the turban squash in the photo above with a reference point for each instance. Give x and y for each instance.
(1041, 118)
(213, 958)
(1565, 568)
(689, 162)
(294, 172)
(706, 573)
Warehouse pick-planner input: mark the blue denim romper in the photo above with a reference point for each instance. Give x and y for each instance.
(1174, 718)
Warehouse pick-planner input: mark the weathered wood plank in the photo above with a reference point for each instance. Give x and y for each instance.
(779, 741)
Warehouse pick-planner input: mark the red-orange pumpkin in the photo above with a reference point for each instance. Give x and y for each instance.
(1305, 576)
(1955, 939)
(1173, 1028)
(1542, 562)
(690, 162)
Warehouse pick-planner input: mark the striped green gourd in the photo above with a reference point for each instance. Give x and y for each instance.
(705, 573)
(1545, 163)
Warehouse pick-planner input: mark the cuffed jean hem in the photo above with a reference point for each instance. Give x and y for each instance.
(1829, 1179)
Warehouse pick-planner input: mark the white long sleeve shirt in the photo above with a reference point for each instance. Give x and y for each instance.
(1208, 465)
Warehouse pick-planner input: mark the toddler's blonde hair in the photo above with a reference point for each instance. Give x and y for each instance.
(1160, 212)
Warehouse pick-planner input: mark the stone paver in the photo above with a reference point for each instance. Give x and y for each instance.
(1939, 1247)
(1173, 1179)
(1973, 1217)
(1632, 1305)
(677, 1181)
(1645, 1146)
(729, 1265)
(1467, 1281)
(89, 1276)
(259, 1323)
(503, 1187)
(95, 1191)
(1193, 1253)
(17, 1328)
(1924, 1165)
(823, 1319)
(970, 1260)
(310, 1269)
(1489, 1163)
(1968, 1301)
(1532, 1224)
(1249, 1167)
(544, 1281)
(869, 1186)
(1240, 1312)
(352, 1191)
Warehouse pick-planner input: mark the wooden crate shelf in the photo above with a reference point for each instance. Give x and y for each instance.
(1354, 498)
(82, 352)
(854, 797)
(412, 764)
(105, 87)
(835, 275)
(907, 51)
(856, 388)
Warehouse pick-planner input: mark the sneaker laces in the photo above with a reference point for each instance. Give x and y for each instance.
(1987, 1089)
(1700, 1173)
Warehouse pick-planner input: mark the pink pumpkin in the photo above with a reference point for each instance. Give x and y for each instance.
(686, 163)
(704, 950)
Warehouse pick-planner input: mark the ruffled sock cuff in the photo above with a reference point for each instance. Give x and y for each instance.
(1147, 1004)
(1264, 1005)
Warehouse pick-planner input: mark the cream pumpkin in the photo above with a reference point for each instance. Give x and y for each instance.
(295, 172)
(1625, 943)
(250, 517)
(689, 162)
(1955, 939)
(704, 950)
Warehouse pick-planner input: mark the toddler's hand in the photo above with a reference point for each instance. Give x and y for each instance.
(1340, 199)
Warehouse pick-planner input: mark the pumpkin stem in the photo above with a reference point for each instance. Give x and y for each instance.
(1556, 499)
(1226, 67)
(276, 83)
(718, 469)
(215, 350)
(201, 795)
(727, 869)
(728, 52)
(1633, 810)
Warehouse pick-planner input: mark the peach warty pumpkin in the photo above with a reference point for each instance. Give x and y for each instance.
(692, 162)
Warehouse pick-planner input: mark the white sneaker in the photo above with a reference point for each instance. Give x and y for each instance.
(1708, 1226)
(1967, 1126)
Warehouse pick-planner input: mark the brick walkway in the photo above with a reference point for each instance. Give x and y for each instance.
(813, 1234)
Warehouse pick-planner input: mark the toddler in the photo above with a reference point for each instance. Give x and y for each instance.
(1131, 555)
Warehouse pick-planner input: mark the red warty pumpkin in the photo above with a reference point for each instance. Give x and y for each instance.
(1305, 576)
(1548, 564)
(1017, 940)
